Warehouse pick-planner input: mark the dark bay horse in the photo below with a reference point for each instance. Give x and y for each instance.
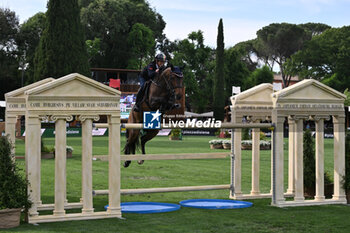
(161, 94)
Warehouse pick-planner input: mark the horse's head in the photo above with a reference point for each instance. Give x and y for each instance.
(177, 81)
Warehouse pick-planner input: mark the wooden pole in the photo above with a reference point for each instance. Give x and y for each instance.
(166, 189)
(167, 126)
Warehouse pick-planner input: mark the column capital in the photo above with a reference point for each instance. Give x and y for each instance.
(255, 119)
(44, 118)
(301, 117)
(92, 117)
(339, 119)
(61, 117)
(320, 117)
(291, 119)
(280, 119)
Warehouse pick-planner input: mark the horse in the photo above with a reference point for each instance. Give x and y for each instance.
(160, 94)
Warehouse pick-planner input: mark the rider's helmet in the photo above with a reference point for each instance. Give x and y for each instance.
(160, 57)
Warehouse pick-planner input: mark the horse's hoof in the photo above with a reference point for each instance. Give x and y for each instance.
(126, 163)
(140, 161)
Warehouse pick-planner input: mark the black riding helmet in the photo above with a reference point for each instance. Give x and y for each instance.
(160, 57)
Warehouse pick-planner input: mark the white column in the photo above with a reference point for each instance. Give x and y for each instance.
(339, 157)
(319, 159)
(291, 154)
(299, 165)
(87, 199)
(114, 165)
(60, 165)
(255, 160)
(238, 158)
(10, 129)
(277, 149)
(33, 160)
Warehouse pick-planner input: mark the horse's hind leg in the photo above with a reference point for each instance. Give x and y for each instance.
(131, 145)
(127, 152)
(145, 138)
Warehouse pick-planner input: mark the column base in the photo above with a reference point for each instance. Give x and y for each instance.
(320, 198)
(114, 210)
(254, 192)
(236, 195)
(87, 211)
(339, 198)
(299, 198)
(59, 213)
(33, 213)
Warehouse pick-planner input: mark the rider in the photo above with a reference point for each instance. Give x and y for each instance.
(148, 73)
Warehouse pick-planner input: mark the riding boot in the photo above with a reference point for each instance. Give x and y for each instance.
(139, 97)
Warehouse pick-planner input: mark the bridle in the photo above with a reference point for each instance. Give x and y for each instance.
(169, 85)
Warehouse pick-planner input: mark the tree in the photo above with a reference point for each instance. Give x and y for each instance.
(166, 46)
(28, 40)
(246, 50)
(93, 48)
(236, 72)
(218, 97)
(325, 58)
(198, 62)
(62, 46)
(279, 42)
(9, 26)
(141, 41)
(118, 18)
(315, 28)
(263, 75)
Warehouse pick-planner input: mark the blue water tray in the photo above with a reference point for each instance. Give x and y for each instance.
(147, 207)
(215, 204)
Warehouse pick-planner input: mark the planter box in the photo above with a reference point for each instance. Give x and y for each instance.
(174, 138)
(216, 146)
(10, 218)
(227, 146)
(51, 155)
(47, 155)
(249, 147)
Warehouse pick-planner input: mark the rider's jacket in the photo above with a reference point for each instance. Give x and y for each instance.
(149, 71)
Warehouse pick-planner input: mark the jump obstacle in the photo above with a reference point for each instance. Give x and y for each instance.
(53, 100)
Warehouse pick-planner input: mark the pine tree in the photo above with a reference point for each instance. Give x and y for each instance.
(62, 46)
(218, 98)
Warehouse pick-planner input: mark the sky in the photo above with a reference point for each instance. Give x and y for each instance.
(241, 18)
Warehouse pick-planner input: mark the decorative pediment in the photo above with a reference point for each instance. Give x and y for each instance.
(309, 90)
(20, 92)
(256, 96)
(73, 85)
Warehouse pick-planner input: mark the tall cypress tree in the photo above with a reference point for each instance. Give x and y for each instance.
(62, 46)
(218, 98)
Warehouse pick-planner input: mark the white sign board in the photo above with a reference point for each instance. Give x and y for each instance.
(236, 90)
(99, 131)
(277, 86)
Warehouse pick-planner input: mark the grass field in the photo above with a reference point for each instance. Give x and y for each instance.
(260, 218)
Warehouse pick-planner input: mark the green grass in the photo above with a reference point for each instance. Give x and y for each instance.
(262, 217)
